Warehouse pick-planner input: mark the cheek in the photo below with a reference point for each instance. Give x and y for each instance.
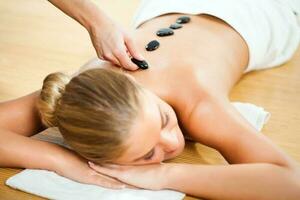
(179, 134)
(180, 145)
(159, 156)
(181, 140)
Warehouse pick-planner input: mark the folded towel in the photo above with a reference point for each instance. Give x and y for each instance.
(255, 115)
(50, 185)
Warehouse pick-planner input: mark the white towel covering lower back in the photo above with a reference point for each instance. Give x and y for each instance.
(271, 28)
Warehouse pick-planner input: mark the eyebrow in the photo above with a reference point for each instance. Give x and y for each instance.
(163, 124)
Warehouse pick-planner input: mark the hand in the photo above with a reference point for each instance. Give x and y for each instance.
(75, 167)
(154, 176)
(113, 44)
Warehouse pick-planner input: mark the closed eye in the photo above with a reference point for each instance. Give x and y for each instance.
(150, 155)
(164, 118)
(167, 118)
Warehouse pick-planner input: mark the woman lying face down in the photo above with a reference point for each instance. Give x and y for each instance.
(107, 117)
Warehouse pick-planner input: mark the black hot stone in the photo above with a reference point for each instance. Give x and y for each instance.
(140, 63)
(183, 20)
(164, 32)
(151, 46)
(175, 26)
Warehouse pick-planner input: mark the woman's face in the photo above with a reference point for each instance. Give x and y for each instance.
(155, 136)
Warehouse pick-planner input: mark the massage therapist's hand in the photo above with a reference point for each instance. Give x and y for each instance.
(111, 42)
(152, 176)
(70, 165)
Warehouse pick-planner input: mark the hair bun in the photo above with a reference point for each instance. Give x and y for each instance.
(53, 88)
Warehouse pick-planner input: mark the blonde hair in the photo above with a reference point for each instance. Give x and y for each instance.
(94, 111)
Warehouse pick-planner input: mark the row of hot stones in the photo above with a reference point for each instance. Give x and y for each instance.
(163, 32)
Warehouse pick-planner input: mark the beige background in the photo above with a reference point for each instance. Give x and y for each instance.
(37, 39)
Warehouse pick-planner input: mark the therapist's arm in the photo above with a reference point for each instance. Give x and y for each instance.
(83, 11)
(111, 42)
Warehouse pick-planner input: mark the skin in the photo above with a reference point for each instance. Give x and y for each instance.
(194, 76)
(157, 128)
(204, 86)
(189, 78)
(111, 41)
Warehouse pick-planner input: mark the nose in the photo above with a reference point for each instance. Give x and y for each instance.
(169, 141)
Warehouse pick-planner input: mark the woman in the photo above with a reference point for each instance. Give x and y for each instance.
(137, 118)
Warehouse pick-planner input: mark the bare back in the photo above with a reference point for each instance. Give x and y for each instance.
(204, 53)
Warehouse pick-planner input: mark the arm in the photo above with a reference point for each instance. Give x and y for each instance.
(237, 181)
(24, 152)
(21, 115)
(216, 123)
(19, 119)
(109, 40)
(269, 174)
(83, 11)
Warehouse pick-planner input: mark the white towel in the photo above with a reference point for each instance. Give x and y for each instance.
(50, 185)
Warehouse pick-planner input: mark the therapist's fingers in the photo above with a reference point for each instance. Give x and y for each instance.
(109, 56)
(124, 59)
(130, 45)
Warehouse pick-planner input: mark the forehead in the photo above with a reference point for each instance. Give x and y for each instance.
(145, 131)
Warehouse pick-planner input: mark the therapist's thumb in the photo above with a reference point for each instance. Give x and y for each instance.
(131, 47)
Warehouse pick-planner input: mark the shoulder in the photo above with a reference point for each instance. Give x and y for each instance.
(24, 111)
(91, 64)
(207, 119)
(192, 103)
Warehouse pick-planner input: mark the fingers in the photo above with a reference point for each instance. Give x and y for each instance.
(117, 48)
(124, 59)
(107, 182)
(112, 171)
(103, 170)
(132, 48)
(111, 58)
(102, 180)
(119, 57)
